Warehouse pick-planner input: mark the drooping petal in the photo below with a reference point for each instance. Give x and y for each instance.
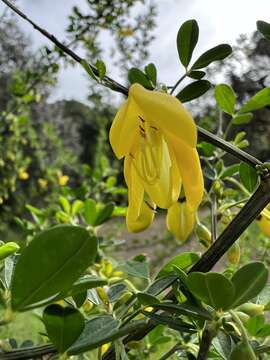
(166, 113)
(190, 170)
(143, 221)
(180, 220)
(124, 128)
(264, 222)
(135, 189)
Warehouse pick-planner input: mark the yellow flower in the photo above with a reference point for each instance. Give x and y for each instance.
(105, 348)
(157, 137)
(125, 32)
(43, 183)
(263, 221)
(23, 174)
(180, 220)
(63, 180)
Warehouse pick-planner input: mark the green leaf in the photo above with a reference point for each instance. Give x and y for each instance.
(161, 284)
(101, 68)
(197, 75)
(223, 344)
(88, 69)
(63, 324)
(116, 291)
(264, 28)
(187, 39)
(183, 261)
(219, 52)
(137, 76)
(104, 214)
(85, 283)
(99, 331)
(225, 98)
(151, 73)
(255, 324)
(8, 249)
(90, 211)
(77, 206)
(240, 119)
(212, 288)
(51, 263)
(146, 299)
(249, 281)
(80, 298)
(194, 90)
(138, 269)
(229, 171)
(171, 322)
(248, 176)
(65, 204)
(258, 101)
(184, 309)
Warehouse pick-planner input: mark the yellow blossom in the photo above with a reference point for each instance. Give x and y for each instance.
(105, 348)
(157, 137)
(63, 180)
(125, 32)
(43, 183)
(263, 221)
(180, 220)
(23, 174)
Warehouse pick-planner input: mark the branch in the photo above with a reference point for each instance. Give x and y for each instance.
(115, 86)
(28, 353)
(206, 341)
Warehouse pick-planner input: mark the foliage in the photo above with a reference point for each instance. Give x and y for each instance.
(91, 304)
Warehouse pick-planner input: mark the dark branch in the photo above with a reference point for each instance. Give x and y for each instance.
(28, 353)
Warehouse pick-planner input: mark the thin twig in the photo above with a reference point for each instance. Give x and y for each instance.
(206, 342)
(178, 83)
(214, 217)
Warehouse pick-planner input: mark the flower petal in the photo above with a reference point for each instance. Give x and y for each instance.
(135, 189)
(166, 112)
(180, 220)
(165, 190)
(143, 221)
(190, 169)
(124, 128)
(264, 222)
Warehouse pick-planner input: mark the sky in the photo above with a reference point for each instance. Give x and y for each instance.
(219, 21)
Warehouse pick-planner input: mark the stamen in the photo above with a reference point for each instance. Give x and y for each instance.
(153, 127)
(142, 120)
(141, 128)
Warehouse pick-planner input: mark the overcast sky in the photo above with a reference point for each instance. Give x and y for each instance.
(220, 21)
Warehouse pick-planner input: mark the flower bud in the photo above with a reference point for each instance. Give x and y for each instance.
(233, 254)
(180, 220)
(204, 235)
(251, 309)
